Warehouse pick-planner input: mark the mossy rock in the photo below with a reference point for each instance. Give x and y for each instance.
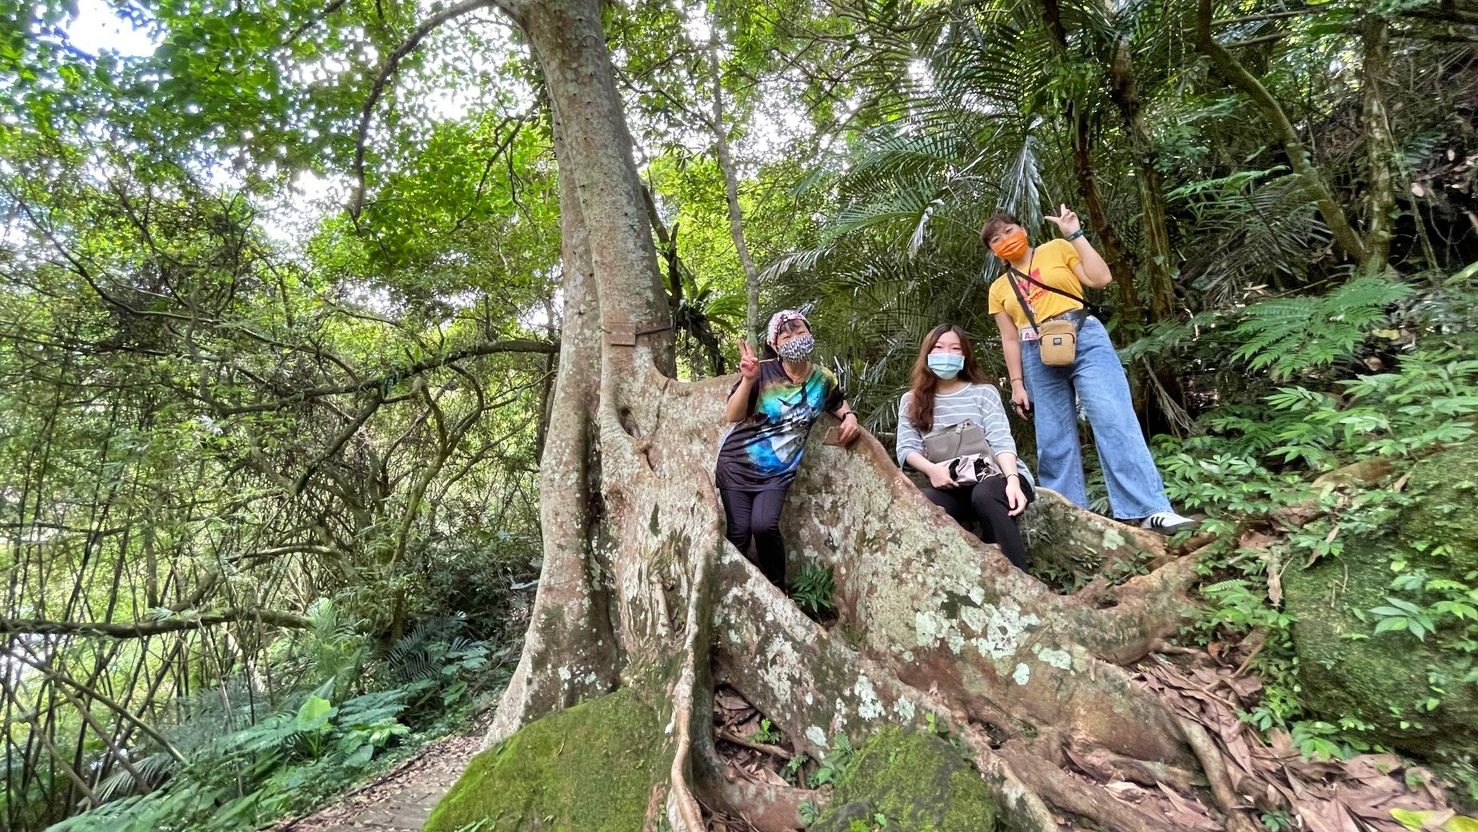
(916, 782)
(1345, 669)
(589, 768)
(1445, 487)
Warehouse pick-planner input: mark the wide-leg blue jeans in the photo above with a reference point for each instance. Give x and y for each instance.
(1134, 486)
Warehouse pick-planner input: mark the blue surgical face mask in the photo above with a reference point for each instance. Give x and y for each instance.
(946, 365)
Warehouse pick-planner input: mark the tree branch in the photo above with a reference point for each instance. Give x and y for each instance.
(386, 72)
(1257, 18)
(1444, 15)
(391, 379)
(1260, 39)
(377, 399)
(1272, 112)
(107, 701)
(144, 629)
(333, 6)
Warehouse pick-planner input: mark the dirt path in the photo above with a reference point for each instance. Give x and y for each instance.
(398, 800)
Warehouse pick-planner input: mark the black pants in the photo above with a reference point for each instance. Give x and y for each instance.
(985, 502)
(755, 515)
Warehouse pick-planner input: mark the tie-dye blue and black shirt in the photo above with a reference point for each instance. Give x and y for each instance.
(763, 452)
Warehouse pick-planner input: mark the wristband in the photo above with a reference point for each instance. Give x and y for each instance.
(848, 413)
(1073, 236)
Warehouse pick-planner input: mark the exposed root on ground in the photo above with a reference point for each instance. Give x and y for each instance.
(744, 775)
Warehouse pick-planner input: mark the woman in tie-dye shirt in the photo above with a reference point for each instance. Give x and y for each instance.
(775, 403)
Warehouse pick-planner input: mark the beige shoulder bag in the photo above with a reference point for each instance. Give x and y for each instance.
(1057, 340)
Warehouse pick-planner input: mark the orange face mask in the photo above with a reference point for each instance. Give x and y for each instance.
(1010, 245)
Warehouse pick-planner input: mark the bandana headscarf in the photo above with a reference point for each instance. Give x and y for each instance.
(780, 319)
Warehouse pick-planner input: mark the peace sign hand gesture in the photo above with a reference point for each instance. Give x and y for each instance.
(749, 364)
(1066, 221)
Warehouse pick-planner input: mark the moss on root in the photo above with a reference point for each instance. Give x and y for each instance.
(590, 768)
(1347, 670)
(909, 781)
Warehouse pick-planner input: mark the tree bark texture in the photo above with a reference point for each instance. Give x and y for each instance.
(1380, 145)
(571, 616)
(640, 588)
(569, 43)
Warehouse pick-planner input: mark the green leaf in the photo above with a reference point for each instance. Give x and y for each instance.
(1410, 818)
(453, 692)
(315, 714)
(1407, 606)
(360, 757)
(1391, 624)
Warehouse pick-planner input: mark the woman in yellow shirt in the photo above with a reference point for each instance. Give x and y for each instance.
(1050, 280)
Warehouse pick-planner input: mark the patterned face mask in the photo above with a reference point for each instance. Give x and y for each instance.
(798, 348)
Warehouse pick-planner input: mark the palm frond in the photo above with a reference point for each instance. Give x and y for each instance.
(1258, 227)
(1021, 184)
(1287, 336)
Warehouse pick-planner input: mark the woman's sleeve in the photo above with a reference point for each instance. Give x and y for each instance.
(993, 420)
(1069, 254)
(754, 396)
(909, 440)
(835, 395)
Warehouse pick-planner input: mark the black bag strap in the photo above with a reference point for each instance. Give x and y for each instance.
(1025, 307)
(1033, 281)
(1093, 309)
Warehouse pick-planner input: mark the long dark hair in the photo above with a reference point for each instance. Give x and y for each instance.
(925, 383)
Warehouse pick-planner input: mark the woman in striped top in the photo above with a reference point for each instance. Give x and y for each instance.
(948, 389)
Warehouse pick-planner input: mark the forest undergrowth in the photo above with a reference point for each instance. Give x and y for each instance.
(349, 715)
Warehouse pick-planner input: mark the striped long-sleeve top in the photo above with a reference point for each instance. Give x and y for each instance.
(978, 403)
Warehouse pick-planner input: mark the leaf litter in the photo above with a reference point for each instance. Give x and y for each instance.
(1365, 793)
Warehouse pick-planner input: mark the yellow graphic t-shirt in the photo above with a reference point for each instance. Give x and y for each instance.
(1052, 264)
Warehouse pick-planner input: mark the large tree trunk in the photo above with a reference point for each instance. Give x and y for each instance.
(640, 589)
(1121, 260)
(571, 621)
(1380, 145)
(934, 626)
(1124, 89)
